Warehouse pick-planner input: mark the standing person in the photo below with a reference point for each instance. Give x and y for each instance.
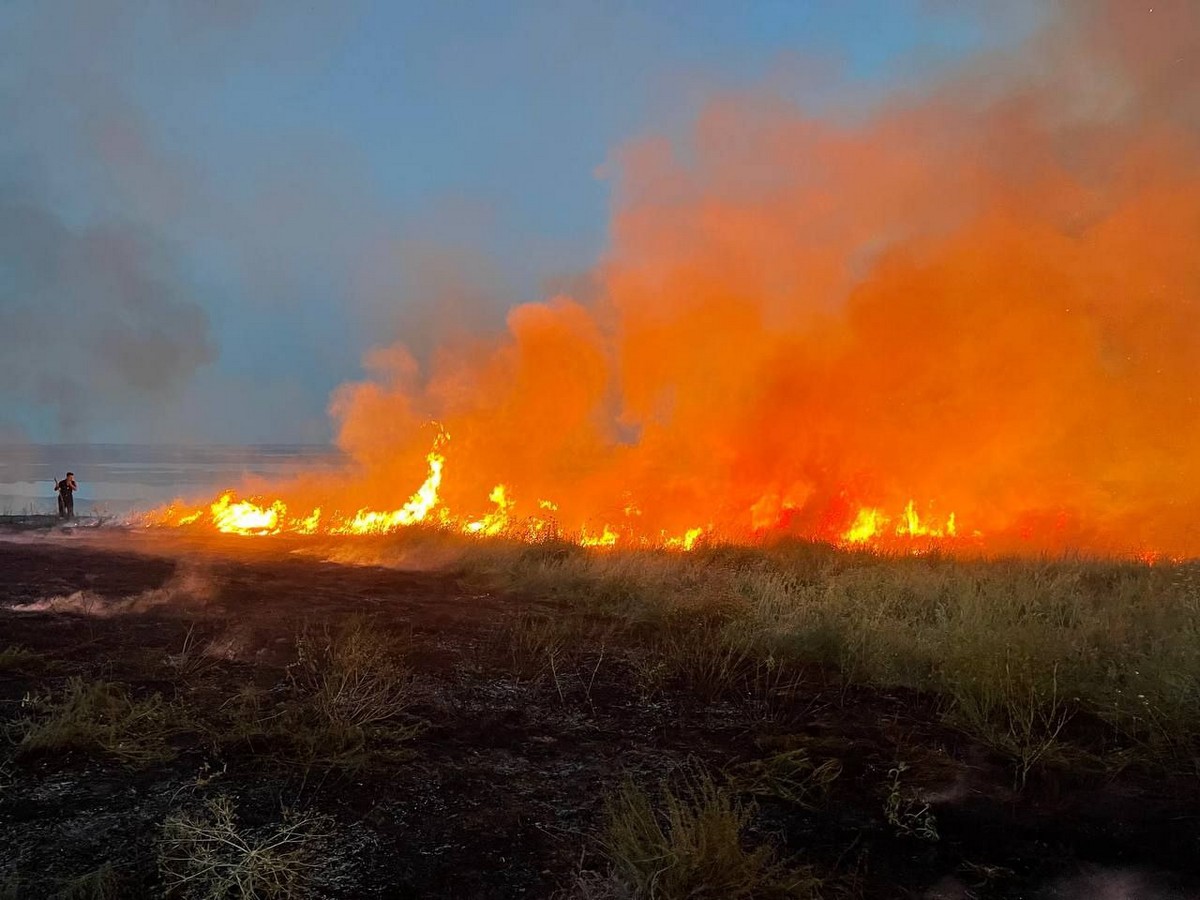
(66, 496)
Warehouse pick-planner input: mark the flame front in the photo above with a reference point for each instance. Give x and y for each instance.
(227, 514)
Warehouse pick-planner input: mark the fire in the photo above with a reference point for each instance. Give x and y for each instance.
(686, 541)
(606, 538)
(980, 297)
(369, 521)
(244, 517)
(867, 524)
(494, 522)
(912, 526)
(870, 524)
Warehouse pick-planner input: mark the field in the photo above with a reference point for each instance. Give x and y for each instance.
(427, 716)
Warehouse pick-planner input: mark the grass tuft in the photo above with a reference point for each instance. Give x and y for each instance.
(346, 688)
(99, 717)
(99, 884)
(352, 677)
(692, 842)
(790, 775)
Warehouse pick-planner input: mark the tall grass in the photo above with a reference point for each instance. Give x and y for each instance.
(1014, 647)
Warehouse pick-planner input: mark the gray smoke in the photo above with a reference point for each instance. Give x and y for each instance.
(94, 319)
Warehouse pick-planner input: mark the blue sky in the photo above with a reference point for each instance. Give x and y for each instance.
(209, 211)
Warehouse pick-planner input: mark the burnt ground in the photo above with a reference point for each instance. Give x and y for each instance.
(501, 791)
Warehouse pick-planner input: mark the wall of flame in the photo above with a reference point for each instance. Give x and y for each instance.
(971, 315)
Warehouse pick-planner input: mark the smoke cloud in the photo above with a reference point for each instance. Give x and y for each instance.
(94, 316)
(984, 298)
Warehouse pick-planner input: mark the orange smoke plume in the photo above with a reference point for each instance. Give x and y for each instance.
(972, 316)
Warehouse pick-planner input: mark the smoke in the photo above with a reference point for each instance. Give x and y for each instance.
(94, 316)
(984, 298)
(119, 240)
(190, 588)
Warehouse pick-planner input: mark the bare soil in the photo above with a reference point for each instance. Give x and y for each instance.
(501, 792)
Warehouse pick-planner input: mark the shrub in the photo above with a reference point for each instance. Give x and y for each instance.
(208, 855)
(1014, 715)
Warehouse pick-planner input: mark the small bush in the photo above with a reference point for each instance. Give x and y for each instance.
(99, 716)
(692, 843)
(1014, 715)
(208, 855)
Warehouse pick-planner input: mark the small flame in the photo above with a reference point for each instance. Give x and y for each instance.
(246, 517)
(870, 524)
(867, 524)
(494, 522)
(685, 542)
(607, 538)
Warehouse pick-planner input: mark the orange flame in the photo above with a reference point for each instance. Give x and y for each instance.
(985, 298)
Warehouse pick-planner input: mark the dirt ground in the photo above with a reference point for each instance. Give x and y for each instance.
(500, 793)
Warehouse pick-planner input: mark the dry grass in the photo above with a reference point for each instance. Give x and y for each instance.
(353, 676)
(343, 699)
(208, 855)
(791, 776)
(1017, 647)
(102, 883)
(691, 842)
(20, 659)
(1016, 716)
(100, 717)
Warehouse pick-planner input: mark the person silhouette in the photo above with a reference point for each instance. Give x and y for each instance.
(66, 496)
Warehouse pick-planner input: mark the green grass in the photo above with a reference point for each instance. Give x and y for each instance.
(905, 810)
